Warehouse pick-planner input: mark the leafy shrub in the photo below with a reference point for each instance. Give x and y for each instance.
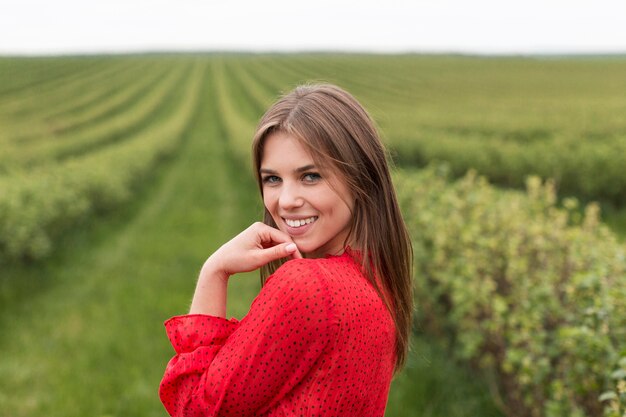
(591, 170)
(531, 293)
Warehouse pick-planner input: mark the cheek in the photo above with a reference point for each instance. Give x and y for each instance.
(268, 199)
(346, 214)
(336, 207)
(346, 209)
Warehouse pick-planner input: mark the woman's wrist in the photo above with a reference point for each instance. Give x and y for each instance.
(211, 270)
(211, 290)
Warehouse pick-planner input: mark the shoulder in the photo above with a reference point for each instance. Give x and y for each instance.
(307, 271)
(297, 272)
(318, 272)
(300, 281)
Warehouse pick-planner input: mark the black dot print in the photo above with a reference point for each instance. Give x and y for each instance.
(317, 341)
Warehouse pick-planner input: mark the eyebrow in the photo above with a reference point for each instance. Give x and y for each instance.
(297, 170)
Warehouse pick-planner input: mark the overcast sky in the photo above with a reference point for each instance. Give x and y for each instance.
(466, 26)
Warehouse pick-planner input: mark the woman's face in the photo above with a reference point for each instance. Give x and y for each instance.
(300, 199)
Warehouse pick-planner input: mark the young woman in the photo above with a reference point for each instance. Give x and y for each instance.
(331, 324)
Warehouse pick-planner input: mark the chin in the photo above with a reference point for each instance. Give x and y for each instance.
(305, 247)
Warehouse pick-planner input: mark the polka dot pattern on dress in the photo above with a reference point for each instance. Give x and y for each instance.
(317, 341)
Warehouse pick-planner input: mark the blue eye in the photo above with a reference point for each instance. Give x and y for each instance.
(270, 179)
(312, 177)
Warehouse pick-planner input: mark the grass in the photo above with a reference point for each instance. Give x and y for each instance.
(82, 334)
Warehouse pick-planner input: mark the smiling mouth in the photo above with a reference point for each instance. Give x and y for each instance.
(300, 222)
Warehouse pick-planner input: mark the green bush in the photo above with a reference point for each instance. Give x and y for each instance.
(589, 169)
(533, 294)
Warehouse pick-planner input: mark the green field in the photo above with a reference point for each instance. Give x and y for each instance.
(120, 175)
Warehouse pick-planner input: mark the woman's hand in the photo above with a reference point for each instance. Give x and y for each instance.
(256, 246)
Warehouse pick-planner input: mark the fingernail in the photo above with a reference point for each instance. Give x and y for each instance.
(291, 247)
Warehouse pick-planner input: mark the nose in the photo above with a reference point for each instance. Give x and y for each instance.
(290, 197)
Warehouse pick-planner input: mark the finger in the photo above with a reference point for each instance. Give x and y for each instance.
(296, 253)
(270, 236)
(279, 251)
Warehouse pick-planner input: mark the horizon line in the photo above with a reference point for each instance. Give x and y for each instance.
(317, 51)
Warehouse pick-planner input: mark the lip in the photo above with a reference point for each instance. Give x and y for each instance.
(298, 231)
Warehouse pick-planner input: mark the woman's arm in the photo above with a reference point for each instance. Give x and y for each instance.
(211, 290)
(256, 246)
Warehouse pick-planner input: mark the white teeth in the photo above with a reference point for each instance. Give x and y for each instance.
(301, 222)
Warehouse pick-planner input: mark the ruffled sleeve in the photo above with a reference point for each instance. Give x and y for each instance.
(226, 367)
(187, 333)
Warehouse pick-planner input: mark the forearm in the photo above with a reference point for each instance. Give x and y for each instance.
(211, 292)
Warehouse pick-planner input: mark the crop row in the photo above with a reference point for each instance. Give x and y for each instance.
(34, 115)
(533, 294)
(239, 128)
(591, 169)
(39, 115)
(507, 118)
(55, 96)
(28, 74)
(31, 112)
(118, 94)
(36, 207)
(126, 119)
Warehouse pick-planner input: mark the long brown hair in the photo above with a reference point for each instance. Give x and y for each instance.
(338, 131)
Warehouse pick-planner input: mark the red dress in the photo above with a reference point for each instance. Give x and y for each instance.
(317, 341)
